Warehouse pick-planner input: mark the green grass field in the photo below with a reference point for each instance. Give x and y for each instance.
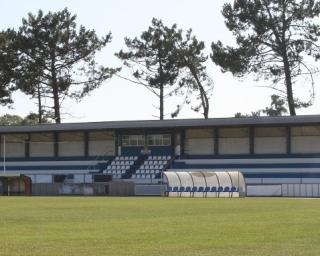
(158, 226)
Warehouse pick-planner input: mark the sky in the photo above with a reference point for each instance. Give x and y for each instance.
(118, 99)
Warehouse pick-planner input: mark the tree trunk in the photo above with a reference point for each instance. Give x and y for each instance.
(161, 102)
(161, 86)
(55, 90)
(203, 94)
(56, 102)
(39, 105)
(288, 80)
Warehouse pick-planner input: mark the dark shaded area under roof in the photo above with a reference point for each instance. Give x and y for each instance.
(173, 123)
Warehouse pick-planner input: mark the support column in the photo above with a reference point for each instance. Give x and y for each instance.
(182, 142)
(288, 133)
(251, 138)
(86, 143)
(27, 146)
(56, 144)
(216, 141)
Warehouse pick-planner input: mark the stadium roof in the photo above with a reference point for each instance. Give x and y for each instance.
(173, 123)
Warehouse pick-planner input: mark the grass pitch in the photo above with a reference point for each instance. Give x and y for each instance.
(158, 226)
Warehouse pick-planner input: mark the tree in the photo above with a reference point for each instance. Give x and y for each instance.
(8, 119)
(253, 114)
(191, 59)
(163, 59)
(8, 62)
(57, 61)
(276, 39)
(32, 118)
(151, 59)
(277, 106)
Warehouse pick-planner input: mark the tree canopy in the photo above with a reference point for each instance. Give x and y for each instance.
(193, 76)
(32, 118)
(8, 63)
(151, 59)
(276, 39)
(57, 60)
(169, 63)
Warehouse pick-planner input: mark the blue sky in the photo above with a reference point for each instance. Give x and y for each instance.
(118, 99)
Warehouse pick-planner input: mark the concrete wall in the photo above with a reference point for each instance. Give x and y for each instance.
(199, 142)
(71, 144)
(234, 141)
(270, 140)
(148, 190)
(98, 189)
(101, 143)
(305, 139)
(42, 145)
(15, 145)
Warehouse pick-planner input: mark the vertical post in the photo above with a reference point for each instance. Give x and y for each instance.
(216, 141)
(251, 139)
(288, 133)
(56, 144)
(27, 146)
(86, 143)
(182, 141)
(4, 153)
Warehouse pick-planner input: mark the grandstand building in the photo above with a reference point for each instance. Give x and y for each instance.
(277, 155)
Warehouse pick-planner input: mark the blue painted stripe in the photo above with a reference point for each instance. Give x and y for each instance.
(65, 158)
(282, 175)
(253, 156)
(46, 167)
(179, 165)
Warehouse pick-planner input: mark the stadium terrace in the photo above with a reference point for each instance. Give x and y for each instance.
(278, 156)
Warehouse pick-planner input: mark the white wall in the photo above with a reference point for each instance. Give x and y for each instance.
(270, 145)
(305, 139)
(41, 149)
(71, 144)
(100, 148)
(101, 143)
(15, 145)
(199, 142)
(264, 190)
(305, 144)
(234, 141)
(234, 146)
(42, 145)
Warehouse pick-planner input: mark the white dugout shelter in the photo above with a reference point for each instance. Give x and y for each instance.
(198, 183)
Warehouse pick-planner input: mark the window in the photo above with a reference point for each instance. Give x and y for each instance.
(132, 140)
(159, 140)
